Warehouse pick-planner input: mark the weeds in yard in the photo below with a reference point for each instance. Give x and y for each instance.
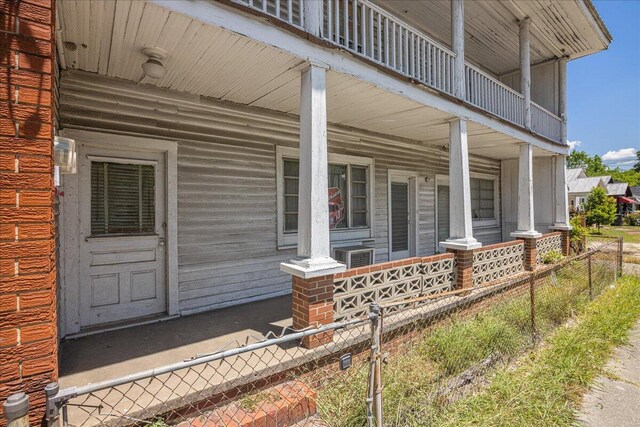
(453, 360)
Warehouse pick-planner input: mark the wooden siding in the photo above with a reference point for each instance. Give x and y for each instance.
(545, 90)
(227, 237)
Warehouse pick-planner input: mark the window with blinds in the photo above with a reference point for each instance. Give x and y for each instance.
(348, 211)
(483, 198)
(122, 198)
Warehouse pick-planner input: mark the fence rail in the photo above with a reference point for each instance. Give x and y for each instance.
(440, 346)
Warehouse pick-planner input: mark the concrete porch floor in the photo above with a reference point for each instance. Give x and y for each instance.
(112, 354)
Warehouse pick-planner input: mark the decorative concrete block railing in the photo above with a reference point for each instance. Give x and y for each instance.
(355, 289)
(495, 262)
(547, 243)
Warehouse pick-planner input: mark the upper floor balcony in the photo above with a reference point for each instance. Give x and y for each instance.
(398, 36)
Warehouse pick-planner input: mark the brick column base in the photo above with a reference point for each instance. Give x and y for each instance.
(530, 253)
(313, 306)
(565, 236)
(464, 268)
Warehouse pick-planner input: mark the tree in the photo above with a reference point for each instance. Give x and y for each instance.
(592, 166)
(636, 167)
(601, 209)
(578, 159)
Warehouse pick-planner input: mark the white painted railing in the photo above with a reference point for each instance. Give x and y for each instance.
(366, 30)
(286, 10)
(545, 123)
(493, 96)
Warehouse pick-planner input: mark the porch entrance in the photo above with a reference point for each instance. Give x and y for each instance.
(122, 209)
(402, 215)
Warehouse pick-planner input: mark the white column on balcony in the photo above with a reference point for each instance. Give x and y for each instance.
(313, 204)
(562, 98)
(457, 45)
(526, 223)
(525, 69)
(312, 17)
(561, 216)
(460, 222)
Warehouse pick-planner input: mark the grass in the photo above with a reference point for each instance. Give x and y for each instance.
(547, 387)
(418, 376)
(628, 233)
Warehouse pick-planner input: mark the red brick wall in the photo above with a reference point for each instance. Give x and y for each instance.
(28, 335)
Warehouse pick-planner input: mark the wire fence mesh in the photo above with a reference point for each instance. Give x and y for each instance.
(406, 363)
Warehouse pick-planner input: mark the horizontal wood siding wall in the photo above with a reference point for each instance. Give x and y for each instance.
(227, 236)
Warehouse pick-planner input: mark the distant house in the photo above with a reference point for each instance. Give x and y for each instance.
(580, 185)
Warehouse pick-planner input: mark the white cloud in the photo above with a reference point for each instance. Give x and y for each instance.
(574, 144)
(623, 153)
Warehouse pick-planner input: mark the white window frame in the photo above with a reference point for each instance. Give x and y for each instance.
(290, 240)
(477, 222)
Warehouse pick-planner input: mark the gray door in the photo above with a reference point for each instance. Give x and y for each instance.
(402, 213)
(122, 235)
(443, 215)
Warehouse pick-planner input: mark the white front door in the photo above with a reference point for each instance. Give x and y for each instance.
(122, 213)
(402, 215)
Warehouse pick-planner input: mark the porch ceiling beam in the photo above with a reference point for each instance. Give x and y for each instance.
(232, 19)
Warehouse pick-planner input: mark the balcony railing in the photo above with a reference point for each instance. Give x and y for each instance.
(545, 123)
(366, 30)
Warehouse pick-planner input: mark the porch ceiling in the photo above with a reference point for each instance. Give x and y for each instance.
(204, 60)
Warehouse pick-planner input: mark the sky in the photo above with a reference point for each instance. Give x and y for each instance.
(603, 90)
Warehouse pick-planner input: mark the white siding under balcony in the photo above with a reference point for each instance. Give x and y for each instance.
(227, 239)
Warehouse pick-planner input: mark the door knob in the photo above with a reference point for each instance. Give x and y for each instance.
(161, 241)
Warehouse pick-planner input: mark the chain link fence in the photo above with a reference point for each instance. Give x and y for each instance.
(406, 361)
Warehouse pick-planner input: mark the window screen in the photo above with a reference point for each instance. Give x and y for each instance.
(122, 198)
(482, 198)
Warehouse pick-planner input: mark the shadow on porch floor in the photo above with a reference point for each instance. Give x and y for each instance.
(112, 354)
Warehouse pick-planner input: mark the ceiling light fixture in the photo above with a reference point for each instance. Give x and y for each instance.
(153, 67)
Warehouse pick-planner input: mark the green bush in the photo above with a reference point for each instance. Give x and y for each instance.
(552, 257)
(633, 219)
(578, 234)
(601, 209)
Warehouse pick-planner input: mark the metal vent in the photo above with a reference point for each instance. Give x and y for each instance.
(354, 256)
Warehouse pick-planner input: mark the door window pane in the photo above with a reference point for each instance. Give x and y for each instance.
(122, 198)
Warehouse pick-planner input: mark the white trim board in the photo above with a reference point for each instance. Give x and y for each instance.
(69, 240)
(234, 20)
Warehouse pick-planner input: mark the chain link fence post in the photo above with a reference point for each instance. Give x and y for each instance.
(620, 252)
(16, 410)
(53, 411)
(590, 276)
(532, 298)
(374, 392)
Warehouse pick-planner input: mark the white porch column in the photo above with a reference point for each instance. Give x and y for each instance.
(526, 223)
(312, 17)
(561, 216)
(457, 45)
(460, 223)
(525, 70)
(313, 204)
(562, 99)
